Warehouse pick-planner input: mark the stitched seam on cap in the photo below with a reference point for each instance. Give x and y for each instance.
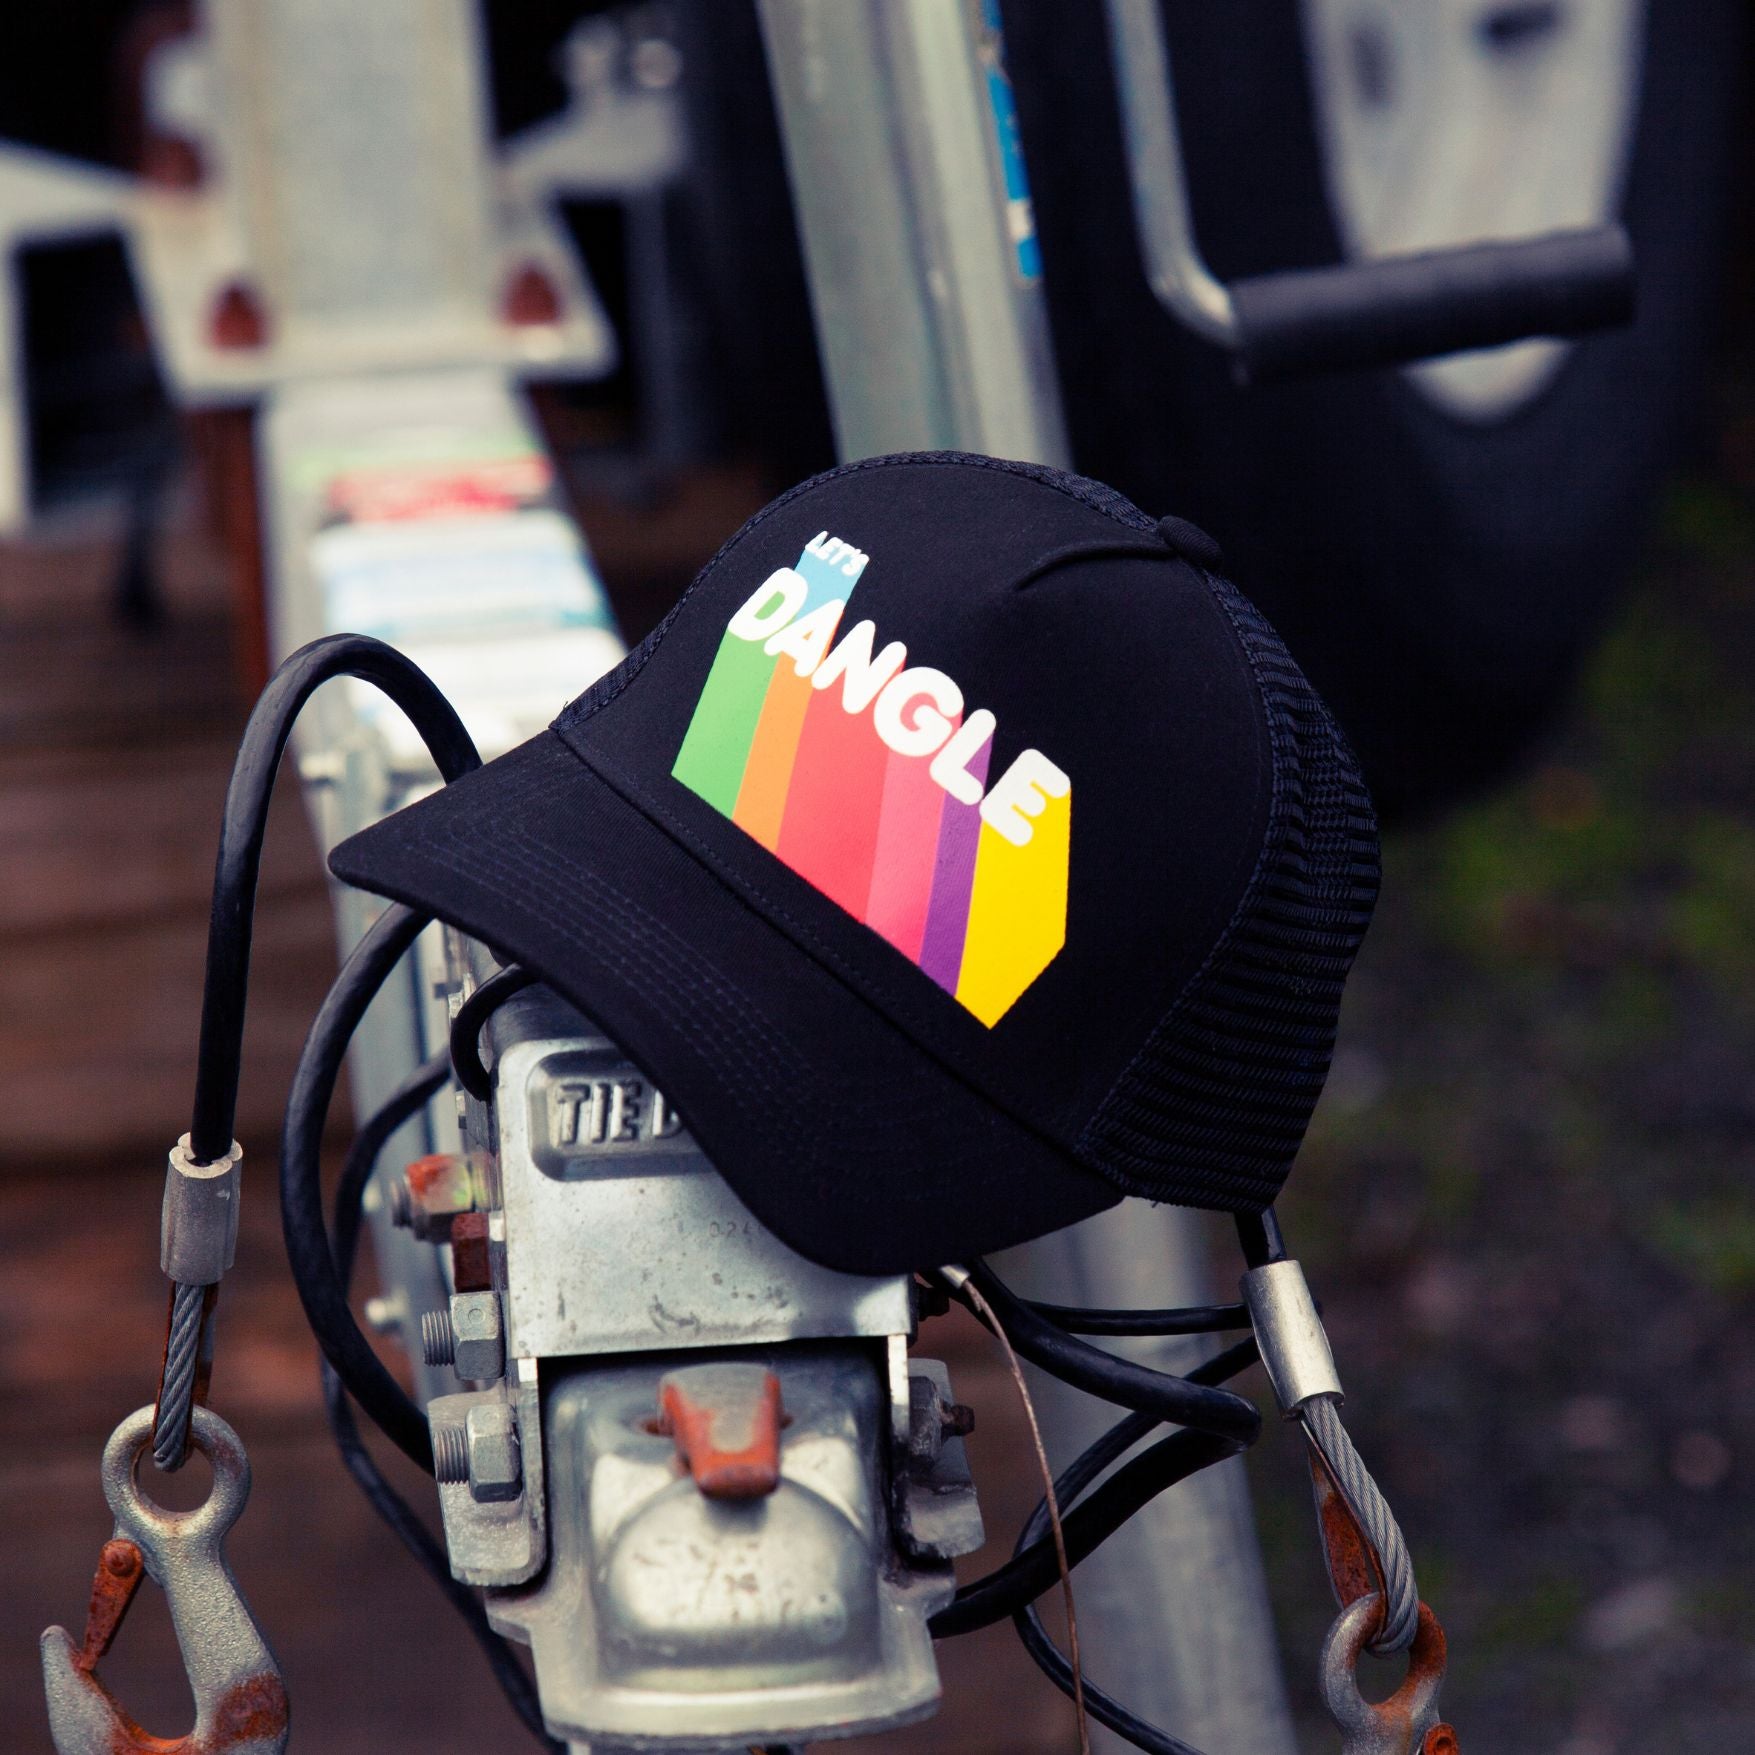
(548, 901)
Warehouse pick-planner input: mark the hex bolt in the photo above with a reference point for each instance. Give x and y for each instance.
(450, 1454)
(478, 1345)
(438, 1340)
(931, 1420)
(495, 1464)
(401, 1204)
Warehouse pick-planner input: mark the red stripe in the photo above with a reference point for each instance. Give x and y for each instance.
(829, 833)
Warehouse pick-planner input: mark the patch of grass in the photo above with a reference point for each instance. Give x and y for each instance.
(1708, 520)
(1726, 1600)
(1653, 686)
(1576, 1133)
(1712, 916)
(1450, 1190)
(1711, 1241)
(1635, 1004)
(1540, 1613)
(1535, 873)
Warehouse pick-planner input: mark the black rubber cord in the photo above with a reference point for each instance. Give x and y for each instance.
(408, 1100)
(1049, 1658)
(1037, 1569)
(1180, 1401)
(1035, 1566)
(1192, 1319)
(226, 987)
(301, 1193)
(1258, 1235)
(1105, 1708)
(472, 1017)
(374, 1134)
(414, 1535)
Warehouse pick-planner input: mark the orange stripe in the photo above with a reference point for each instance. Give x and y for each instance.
(761, 799)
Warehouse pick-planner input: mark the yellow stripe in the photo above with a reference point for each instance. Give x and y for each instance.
(1017, 912)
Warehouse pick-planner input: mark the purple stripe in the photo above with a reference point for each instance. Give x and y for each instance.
(953, 879)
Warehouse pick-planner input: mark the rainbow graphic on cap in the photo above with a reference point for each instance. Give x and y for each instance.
(862, 773)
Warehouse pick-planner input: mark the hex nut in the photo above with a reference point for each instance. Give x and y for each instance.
(496, 1468)
(433, 1191)
(478, 1336)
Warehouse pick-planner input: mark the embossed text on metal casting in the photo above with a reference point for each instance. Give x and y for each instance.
(586, 1114)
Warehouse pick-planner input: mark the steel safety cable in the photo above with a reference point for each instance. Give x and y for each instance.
(1318, 1413)
(182, 1363)
(237, 865)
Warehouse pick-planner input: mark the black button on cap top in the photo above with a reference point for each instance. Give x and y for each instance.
(1190, 541)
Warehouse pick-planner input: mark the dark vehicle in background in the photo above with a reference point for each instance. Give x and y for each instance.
(1442, 543)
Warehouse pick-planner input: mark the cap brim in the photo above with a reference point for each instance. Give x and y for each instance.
(838, 1131)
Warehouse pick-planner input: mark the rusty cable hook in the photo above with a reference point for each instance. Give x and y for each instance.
(1407, 1723)
(240, 1700)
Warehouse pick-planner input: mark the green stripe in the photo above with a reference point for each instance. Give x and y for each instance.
(716, 745)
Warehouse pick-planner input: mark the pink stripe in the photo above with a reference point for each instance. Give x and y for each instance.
(907, 853)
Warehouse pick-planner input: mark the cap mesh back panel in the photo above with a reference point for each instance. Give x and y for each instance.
(1213, 1108)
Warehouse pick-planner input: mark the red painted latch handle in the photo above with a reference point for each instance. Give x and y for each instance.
(726, 1421)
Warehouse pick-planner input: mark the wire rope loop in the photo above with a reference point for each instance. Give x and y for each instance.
(1366, 1550)
(148, 1525)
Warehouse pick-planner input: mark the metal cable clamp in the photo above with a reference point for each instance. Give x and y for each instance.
(198, 1223)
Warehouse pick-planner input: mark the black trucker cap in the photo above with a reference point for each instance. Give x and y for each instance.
(959, 855)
